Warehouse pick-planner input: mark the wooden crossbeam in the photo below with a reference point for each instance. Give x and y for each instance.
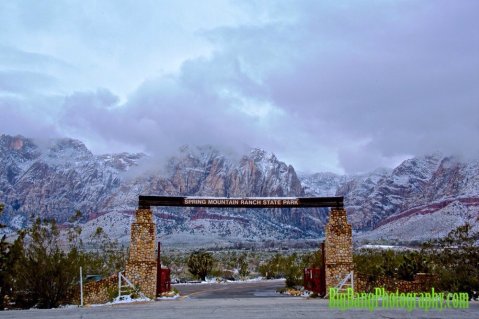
(145, 202)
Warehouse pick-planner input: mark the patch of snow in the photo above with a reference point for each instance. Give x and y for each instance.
(384, 247)
(122, 300)
(17, 222)
(169, 298)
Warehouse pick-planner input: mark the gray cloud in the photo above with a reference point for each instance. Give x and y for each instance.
(326, 85)
(23, 116)
(165, 113)
(399, 80)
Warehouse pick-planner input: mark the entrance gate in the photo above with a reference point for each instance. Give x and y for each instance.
(315, 278)
(142, 266)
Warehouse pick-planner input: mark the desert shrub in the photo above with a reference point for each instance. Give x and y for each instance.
(55, 271)
(289, 267)
(412, 263)
(40, 268)
(200, 264)
(455, 260)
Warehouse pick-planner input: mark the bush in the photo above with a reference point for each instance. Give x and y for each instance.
(36, 271)
(375, 264)
(7, 261)
(289, 267)
(56, 272)
(200, 264)
(243, 266)
(456, 260)
(453, 260)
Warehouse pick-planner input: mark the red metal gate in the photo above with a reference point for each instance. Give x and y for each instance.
(315, 278)
(312, 279)
(163, 281)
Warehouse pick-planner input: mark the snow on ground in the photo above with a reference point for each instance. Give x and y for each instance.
(385, 247)
(116, 225)
(423, 227)
(169, 298)
(122, 300)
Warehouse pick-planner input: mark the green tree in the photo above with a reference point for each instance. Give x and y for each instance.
(10, 254)
(369, 263)
(108, 256)
(40, 268)
(55, 271)
(456, 260)
(243, 266)
(272, 268)
(200, 264)
(293, 271)
(289, 267)
(413, 263)
(312, 260)
(74, 231)
(5, 267)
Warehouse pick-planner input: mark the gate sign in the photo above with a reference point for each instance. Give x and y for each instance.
(242, 202)
(255, 202)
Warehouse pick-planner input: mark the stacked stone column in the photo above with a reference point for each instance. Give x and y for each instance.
(142, 263)
(338, 248)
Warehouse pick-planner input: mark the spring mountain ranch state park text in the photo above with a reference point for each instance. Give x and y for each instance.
(241, 202)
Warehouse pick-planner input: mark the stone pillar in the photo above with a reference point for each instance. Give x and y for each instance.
(141, 265)
(338, 247)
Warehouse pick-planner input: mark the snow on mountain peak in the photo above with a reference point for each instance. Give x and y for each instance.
(61, 176)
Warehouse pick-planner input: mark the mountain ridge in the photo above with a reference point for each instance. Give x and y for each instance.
(58, 177)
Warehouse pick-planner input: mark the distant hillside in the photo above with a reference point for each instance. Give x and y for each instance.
(63, 176)
(423, 197)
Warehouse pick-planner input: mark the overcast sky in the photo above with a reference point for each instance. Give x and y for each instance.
(342, 86)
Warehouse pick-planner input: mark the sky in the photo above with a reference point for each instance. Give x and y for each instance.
(341, 86)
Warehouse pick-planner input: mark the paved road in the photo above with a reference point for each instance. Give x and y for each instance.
(254, 289)
(198, 305)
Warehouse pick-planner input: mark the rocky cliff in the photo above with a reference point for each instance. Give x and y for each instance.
(421, 198)
(57, 177)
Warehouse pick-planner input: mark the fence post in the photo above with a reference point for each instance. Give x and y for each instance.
(352, 280)
(81, 287)
(119, 285)
(158, 272)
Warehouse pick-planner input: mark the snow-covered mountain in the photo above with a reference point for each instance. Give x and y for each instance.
(58, 177)
(423, 197)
